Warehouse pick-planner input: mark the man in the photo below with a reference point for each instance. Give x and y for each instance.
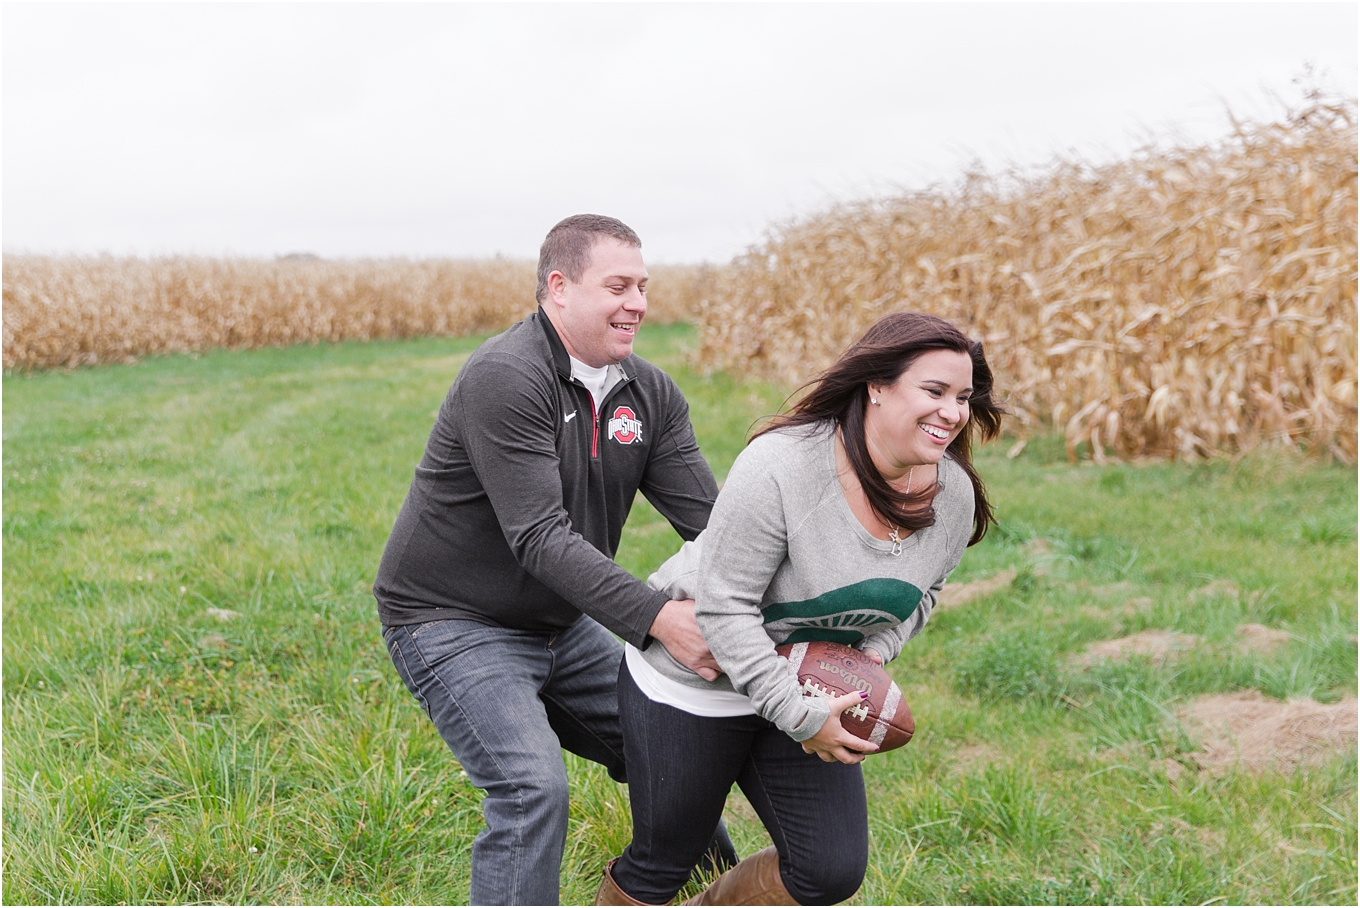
(507, 537)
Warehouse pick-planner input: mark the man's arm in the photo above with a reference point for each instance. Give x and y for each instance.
(680, 485)
(677, 630)
(678, 480)
(508, 429)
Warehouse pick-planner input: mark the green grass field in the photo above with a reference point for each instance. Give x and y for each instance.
(198, 706)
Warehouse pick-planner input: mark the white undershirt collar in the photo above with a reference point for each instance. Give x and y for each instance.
(596, 379)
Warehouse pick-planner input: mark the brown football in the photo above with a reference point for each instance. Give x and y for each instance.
(833, 670)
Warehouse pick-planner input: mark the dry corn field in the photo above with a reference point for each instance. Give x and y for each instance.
(79, 311)
(1187, 302)
(1183, 303)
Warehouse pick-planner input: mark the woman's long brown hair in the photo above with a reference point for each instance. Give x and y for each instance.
(841, 395)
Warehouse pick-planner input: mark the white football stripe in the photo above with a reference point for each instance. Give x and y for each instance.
(889, 710)
(796, 655)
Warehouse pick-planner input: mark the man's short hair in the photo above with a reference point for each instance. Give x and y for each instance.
(567, 246)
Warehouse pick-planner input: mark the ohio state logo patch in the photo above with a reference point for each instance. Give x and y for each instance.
(625, 427)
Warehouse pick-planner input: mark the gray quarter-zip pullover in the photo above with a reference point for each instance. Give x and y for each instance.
(517, 506)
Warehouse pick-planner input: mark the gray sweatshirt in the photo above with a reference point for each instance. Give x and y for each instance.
(785, 560)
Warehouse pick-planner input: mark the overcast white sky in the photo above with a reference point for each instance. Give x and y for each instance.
(468, 129)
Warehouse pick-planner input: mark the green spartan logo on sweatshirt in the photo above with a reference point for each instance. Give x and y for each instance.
(845, 615)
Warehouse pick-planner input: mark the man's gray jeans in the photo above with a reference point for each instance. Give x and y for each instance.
(507, 702)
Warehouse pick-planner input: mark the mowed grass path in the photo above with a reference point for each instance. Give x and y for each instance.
(198, 706)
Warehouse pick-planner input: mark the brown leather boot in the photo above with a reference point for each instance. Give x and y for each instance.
(610, 893)
(754, 881)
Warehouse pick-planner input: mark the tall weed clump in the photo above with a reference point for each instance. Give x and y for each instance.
(1186, 302)
(74, 311)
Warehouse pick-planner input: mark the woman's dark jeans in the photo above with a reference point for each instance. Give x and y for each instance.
(680, 770)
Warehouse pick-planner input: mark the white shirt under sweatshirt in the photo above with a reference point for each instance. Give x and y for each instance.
(596, 380)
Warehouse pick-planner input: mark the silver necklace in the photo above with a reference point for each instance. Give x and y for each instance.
(894, 534)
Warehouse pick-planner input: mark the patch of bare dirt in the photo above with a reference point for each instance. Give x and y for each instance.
(1173, 770)
(1154, 644)
(1250, 730)
(1262, 639)
(1037, 546)
(1136, 605)
(1218, 589)
(955, 594)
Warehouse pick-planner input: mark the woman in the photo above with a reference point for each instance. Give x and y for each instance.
(840, 521)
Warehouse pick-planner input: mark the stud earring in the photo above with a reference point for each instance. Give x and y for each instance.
(874, 401)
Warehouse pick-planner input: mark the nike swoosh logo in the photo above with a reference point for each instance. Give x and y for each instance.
(570, 417)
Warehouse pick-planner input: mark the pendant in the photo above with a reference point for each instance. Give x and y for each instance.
(896, 541)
